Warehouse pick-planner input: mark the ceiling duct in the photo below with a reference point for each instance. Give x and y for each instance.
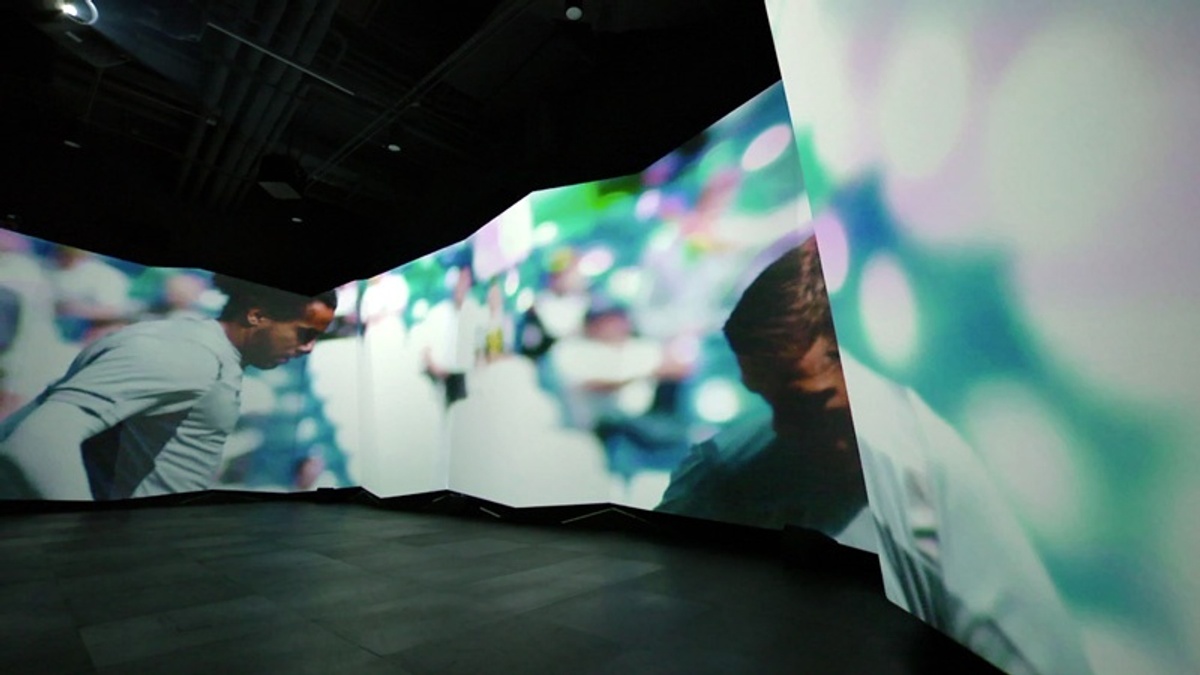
(281, 177)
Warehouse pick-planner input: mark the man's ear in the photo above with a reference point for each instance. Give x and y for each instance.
(255, 316)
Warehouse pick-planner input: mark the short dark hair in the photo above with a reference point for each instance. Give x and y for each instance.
(275, 303)
(784, 310)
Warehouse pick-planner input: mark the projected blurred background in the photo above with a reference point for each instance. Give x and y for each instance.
(571, 350)
(1004, 202)
(632, 276)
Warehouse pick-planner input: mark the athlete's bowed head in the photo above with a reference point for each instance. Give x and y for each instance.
(271, 327)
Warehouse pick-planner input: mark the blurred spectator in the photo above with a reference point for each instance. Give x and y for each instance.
(558, 309)
(447, 337)
(168, 293)
(30, 351)
(497, 329)
(561, 306)
(610, 377)
(92, 296)
(182, 295)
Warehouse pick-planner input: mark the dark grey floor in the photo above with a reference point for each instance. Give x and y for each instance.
(311, 588)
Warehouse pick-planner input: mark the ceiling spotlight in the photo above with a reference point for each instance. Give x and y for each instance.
(81, 11)
(392, 147)
(574, 11)
(297, 219)
(72, 144)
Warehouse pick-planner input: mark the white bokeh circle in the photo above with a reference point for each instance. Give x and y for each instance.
(924, 98)
(834, 248)
(889, 310)
(1033, 455)
(767, 147)
(1072, 124)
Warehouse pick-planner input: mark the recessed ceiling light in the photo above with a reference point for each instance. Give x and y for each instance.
(81, 11)
(297, 219)
(71, 144)
(392, 147)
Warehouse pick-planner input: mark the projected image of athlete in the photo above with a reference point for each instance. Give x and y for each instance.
(798, 465)
(146, 410)
(933, 508)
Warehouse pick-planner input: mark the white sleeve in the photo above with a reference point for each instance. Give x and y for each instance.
(45, 449)
(951, 549)
(988, 562)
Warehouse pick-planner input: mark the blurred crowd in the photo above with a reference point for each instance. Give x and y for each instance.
(602, 302)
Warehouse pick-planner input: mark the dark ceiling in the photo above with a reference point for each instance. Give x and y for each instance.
(189, 145)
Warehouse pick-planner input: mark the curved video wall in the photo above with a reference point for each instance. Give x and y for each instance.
(661, 340)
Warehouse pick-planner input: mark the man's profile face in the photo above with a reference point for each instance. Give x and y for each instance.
(274, 342)
(819, 373)
(807, 394)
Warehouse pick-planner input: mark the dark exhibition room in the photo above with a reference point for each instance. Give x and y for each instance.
(599, 336)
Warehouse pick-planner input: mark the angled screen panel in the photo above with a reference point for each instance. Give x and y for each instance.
(1001, 196)
(414, 374)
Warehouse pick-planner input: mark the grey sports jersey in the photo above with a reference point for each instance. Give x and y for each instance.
(168, 396)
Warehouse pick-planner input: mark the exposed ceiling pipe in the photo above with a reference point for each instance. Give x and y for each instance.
(214, 88)
(298, 94)
(233, 96)
(97, 82)
(284, 59)
(283, 102)
(414, 95)
(269, 78)
(117, 91)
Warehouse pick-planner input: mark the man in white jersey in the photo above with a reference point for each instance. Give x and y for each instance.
(952, 551)
(448, 338)
(146, 410)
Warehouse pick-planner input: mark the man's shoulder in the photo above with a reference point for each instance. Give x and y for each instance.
(186, 343)
(731, 448)
(744, 439)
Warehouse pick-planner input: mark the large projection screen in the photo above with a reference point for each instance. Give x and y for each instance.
(661, 340)
(1004, 196)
